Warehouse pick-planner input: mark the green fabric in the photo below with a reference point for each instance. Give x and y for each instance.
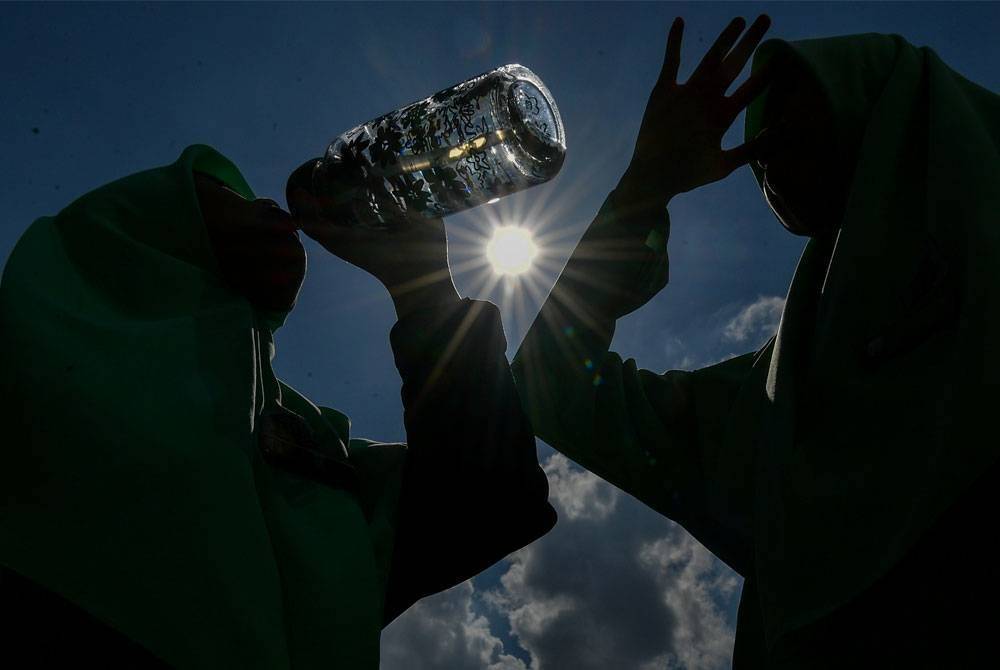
(813, 465)
(885, 370)
(666, 439)
(133, 380)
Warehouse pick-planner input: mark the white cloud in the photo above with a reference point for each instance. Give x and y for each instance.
(578, 494)
(444, 632)
(614, 585)
(693, 579)
(755, 322)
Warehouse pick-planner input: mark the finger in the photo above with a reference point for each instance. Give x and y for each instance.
(426, 223)
(744, 153)
(751, 88)
(411, 222)
(301, 203)
(336, 237)
(721, 47)
(271, 214)
(672, 56)
(327, 228)
(737, 59)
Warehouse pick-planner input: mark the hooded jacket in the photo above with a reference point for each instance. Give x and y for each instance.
(812, 465)
(139, 410)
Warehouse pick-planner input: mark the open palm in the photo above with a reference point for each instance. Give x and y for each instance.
(679, 147)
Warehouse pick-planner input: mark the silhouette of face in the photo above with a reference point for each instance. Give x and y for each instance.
(256, 244)
(806, 170)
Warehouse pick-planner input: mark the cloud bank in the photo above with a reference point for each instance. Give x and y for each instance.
(444, 632)
(755, 322)
(614, 585)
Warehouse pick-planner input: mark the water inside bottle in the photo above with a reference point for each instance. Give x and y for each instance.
(462, 147)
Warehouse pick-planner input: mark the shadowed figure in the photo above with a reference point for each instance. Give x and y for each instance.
(844, 469)
(168, 501)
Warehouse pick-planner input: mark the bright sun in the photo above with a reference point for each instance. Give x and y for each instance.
(511, 250)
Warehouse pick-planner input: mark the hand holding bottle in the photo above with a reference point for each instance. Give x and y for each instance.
(410, 259)
(679, 144)
(256, 246)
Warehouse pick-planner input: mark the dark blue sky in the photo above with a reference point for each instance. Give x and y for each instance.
(113, 89)
(93, 92)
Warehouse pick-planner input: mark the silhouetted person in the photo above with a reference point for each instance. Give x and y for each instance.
(846, 468)
(167, 500)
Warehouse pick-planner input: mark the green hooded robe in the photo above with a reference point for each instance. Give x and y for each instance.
(136, 387)
(812, 465)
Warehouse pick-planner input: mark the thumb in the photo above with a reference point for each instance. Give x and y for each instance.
(756, 148)
(335, 237)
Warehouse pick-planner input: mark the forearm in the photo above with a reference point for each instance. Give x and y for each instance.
(641, 192)
(660, 437)
(617, 266)
(432, 290)
(457, 390)
(472, 489)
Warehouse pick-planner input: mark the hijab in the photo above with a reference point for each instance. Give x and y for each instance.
(885, 373)
(133, 382)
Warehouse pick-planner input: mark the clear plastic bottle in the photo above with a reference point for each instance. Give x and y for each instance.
(472, 143)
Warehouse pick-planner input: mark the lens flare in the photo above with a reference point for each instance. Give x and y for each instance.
(511, 250)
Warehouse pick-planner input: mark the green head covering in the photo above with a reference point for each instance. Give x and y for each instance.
(851, 71)
(133, 380)
(883, 382)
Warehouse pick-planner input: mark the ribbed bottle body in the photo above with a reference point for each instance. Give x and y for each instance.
(470, 144)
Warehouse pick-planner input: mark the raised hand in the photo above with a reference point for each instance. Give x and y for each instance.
(679, 147)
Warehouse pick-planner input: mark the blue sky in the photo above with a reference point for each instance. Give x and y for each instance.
(94, 92)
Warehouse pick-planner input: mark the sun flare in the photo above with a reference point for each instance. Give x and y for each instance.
(511, 250)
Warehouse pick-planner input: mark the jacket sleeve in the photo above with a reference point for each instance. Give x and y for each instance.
(660, 437)
(471, 490)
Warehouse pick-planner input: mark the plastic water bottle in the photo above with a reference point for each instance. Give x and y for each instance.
(472, 143)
